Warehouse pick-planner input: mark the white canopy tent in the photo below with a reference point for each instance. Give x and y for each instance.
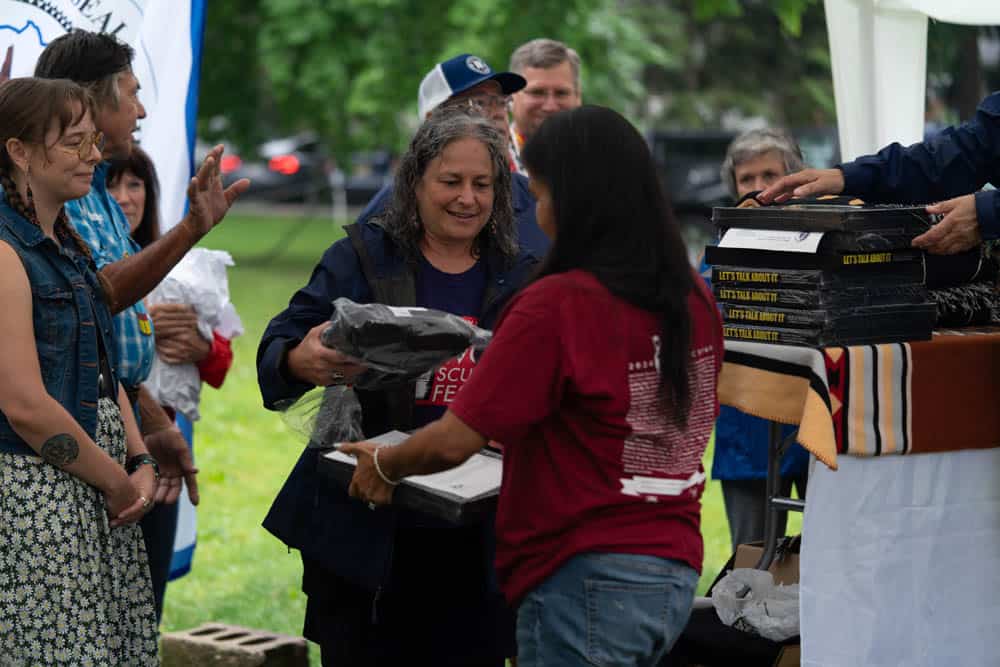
(879, 58)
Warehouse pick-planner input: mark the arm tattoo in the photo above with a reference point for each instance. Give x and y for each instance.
(60, 450)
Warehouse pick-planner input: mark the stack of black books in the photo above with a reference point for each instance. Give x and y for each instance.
(821, 275)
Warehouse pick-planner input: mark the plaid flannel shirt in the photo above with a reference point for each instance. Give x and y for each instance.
(101, 223)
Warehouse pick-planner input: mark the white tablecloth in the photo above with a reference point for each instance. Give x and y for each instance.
(900, 562)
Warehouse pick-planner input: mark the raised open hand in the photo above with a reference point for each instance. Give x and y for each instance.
(209, 202)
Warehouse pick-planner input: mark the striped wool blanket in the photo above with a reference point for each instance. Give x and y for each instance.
(874, 400)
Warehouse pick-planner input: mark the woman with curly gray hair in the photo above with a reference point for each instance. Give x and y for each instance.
(388, 586)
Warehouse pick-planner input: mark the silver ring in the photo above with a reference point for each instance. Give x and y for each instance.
(371, 506)
(145, 501)
(337, 377)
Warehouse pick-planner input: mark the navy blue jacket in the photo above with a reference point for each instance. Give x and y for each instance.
(69, 315)
(957, 161)
(529, 234)
(322, 522)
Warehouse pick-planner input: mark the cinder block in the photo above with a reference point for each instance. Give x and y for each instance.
(222, 645)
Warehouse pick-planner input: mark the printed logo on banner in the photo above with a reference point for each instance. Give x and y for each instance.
(27, 27)
(440, 386)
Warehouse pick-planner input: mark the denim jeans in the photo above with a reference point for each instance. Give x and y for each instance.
(605, 609)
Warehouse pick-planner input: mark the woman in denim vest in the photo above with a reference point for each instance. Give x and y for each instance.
(74, 473)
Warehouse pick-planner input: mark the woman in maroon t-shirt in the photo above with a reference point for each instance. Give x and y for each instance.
(601, 384)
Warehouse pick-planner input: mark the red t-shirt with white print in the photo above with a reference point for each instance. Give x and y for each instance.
(592, 461)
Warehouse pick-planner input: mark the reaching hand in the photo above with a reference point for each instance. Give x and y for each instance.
(209, 203)
(311, 361)
(805, 183)
(366, 485)
(957, 232)
(171, 451)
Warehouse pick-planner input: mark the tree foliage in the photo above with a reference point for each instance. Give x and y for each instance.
(349, 69)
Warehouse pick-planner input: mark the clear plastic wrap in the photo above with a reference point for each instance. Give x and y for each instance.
(749, 600)
(325, 416)
(200, 281)
(398, 344)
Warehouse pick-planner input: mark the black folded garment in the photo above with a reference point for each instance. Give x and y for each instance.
(967, 305)
(398, 344)
(833, 297)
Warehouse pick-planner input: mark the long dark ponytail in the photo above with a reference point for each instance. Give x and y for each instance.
(614, 221)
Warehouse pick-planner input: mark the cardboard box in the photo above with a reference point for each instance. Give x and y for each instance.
(785, 570)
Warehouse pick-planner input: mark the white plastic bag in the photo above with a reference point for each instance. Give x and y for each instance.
(749, 600)
(198, 280)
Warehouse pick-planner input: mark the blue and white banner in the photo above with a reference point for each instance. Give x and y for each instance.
(167, 37)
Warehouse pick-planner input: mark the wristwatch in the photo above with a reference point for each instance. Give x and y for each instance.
(140, 460)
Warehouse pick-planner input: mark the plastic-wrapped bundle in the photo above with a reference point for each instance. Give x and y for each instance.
(398, 344)
(967, 305)
(199, 280)
(325, 416)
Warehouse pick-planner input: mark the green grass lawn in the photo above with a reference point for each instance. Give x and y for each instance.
(241, 574)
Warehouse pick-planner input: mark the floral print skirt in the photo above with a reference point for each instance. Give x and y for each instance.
(73, 590)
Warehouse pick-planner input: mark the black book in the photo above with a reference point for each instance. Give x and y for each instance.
(463, 495)
(886, 219)
(837, 320)
(809, 279)
(863, 330)
(821, 298)
(903, 264)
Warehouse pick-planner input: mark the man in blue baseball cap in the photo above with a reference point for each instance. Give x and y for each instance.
(468, 79)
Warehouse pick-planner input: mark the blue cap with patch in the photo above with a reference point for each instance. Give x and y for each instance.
(459, 74)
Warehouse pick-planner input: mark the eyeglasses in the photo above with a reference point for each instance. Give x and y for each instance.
(87, 142)
(481, 102)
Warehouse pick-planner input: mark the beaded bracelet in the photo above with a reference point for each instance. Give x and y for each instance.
(140, 460)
